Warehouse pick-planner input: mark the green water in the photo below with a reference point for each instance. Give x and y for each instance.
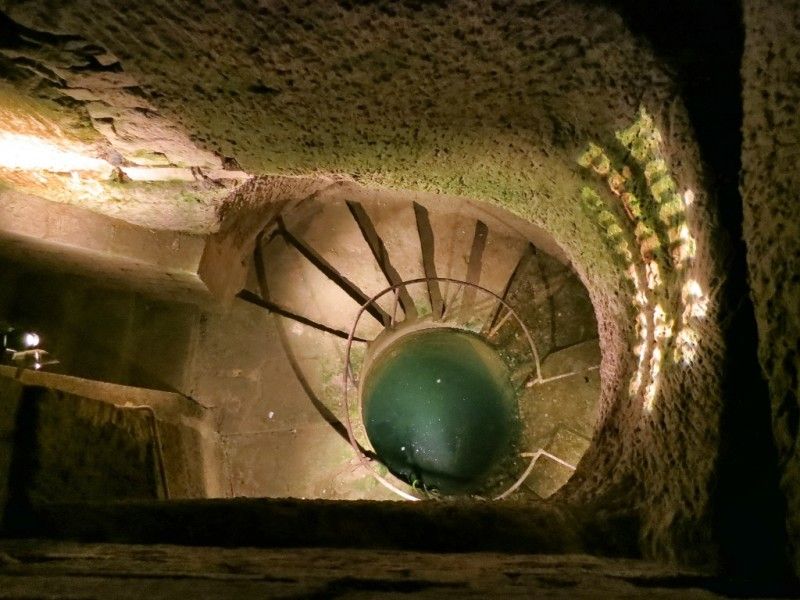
(439, 409)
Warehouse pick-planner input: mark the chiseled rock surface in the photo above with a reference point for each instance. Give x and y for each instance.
(494, 105)
(70, 570)
(770, 184)
(63, 93)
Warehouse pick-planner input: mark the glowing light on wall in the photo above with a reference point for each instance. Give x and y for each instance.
(662, 325)
(662, 332)
(695, 304)
(22, 152)
(596, 159)
(651, 389)
(670, 209)
(85, 186)
(647, 238)
(694, 299)
(686, 345)
(640, 350)
(612, 229)
(656, 220)
(653, 274)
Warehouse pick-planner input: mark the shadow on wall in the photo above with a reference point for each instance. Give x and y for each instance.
(112, 335)
(60, 448)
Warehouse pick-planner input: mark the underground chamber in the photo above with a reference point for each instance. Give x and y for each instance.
(224, 269)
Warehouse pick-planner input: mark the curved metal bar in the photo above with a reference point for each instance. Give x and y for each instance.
(347, 375)
(535, 457)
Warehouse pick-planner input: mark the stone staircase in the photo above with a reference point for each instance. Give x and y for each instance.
(324, 258)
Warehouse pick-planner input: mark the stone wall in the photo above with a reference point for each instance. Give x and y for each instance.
(63, 569)
(495, 105)
(10, 393)
(58, 446)
(106, 340)
(97, 332)
(770, 184)
(66, 439)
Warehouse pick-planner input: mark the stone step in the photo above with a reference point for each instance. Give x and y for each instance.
(329, 229)
(45, 568)
(395, 224)
(551, 301)
(549, 475)
(262, 522)
(295, 283)
(453, 239)
(566, 402)
(501, 257)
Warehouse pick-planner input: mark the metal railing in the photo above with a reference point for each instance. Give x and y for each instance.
(348, 376)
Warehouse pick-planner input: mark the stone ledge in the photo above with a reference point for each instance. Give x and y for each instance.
(44, 568)
(50, 235)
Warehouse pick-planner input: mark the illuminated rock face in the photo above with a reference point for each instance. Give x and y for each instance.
(439, 409)
(494, 102)
(769, 183)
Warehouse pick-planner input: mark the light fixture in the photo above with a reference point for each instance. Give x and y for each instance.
(22, 349)
(30, 340)
(15, 340)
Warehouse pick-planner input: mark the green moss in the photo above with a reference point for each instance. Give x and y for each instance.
(190, 198)
(357, 355)
(149, 157)
(73, 123)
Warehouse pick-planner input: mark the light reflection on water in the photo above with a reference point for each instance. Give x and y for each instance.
(439, 409)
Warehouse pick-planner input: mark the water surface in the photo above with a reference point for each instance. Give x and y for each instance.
(439, 409)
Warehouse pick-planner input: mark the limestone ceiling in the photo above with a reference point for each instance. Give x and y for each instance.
(75, 127)
(493, 102)
(181, 101)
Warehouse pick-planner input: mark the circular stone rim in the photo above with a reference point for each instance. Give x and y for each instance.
(413, 329)
(347, 375)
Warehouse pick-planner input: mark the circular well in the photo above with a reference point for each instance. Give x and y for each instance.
(439, 409)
